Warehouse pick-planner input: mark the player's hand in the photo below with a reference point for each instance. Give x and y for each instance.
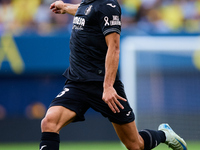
(58, 7)
(111, 97)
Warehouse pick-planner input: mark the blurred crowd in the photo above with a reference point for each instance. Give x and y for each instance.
(29, 17)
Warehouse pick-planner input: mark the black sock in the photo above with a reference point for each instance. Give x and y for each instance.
(152, 138)
(49, 141)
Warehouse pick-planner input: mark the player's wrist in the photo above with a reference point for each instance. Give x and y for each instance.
(70, 8)
(66, 8)
(107, 85)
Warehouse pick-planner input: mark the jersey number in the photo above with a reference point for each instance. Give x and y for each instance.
(63, 92)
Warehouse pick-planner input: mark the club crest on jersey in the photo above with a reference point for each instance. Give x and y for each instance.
(88, 10)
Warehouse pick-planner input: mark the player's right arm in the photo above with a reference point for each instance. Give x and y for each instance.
(59, 7)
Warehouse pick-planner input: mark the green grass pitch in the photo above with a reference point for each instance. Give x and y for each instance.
(86, 146)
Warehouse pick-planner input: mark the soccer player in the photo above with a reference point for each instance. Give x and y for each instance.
(93, 80)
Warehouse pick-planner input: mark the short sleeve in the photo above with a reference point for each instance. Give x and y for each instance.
(109, 17)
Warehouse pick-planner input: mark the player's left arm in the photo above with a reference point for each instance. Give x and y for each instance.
(110, 95)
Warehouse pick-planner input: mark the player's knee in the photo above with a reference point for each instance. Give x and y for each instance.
(48, 125)
(44, 124)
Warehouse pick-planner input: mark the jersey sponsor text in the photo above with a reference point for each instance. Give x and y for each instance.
(79, 21)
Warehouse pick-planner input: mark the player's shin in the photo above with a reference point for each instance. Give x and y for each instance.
(49, 141)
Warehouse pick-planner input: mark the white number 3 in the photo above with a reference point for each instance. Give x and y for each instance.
(63, 92)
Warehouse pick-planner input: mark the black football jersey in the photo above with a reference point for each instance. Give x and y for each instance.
(93, 20)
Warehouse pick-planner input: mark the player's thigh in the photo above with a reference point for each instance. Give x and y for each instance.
(56, 118)
(129, 135)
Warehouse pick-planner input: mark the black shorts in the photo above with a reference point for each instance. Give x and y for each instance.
(80, 96)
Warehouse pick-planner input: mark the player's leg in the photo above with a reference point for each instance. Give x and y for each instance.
(144, 140)
(56, 118)
(148, 139)
(129, 136)
(69, 105)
